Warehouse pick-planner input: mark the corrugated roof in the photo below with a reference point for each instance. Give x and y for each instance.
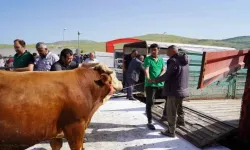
(186, 47)
(192, 47)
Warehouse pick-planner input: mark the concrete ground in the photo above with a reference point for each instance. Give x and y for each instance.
(120, 124)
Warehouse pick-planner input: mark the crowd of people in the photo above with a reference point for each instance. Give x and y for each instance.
(45, 60)
(173, 79)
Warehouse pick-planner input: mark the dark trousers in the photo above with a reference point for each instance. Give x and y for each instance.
(174, 109)
(130, 85)
(150, 100)
(124, 82)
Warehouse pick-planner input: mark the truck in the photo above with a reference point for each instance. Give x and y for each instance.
(229, 87)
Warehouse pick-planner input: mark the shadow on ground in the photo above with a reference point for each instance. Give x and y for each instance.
(161, 145)
(126, 110)
(123, 133)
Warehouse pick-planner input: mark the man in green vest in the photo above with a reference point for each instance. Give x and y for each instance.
(23, 60)
(154, 67)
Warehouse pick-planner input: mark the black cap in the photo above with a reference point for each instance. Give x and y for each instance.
(154, 45)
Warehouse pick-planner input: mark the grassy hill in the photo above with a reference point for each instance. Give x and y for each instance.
(244, 40)
(87, 45)
(185, 40)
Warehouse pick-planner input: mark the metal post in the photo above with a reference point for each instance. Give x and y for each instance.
(63, 36)
(78, 40)
(162, 35)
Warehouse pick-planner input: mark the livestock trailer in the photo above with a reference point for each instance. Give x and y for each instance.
(229, 87)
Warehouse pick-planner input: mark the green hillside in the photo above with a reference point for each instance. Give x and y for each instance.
(240, 42)
(184, 40)
(245, 40)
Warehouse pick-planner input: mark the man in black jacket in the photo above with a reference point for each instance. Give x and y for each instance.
(175, 88)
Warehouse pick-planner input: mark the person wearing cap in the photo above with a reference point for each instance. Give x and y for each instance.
(46, 58)
(175, 88)
(66, 62)
(23, 60)
(154, 67)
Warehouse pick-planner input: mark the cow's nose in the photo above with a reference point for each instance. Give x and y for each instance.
(118, 86)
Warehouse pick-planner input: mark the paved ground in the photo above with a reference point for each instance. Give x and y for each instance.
(121, 125)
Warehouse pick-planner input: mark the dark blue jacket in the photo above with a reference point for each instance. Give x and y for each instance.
(176, 76)
(134, 69)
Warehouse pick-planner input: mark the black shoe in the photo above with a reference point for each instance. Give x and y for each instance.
(180, 123)
(150, 126)
(167, 133)
(163, 118)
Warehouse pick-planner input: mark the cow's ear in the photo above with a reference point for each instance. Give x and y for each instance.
(103, 80)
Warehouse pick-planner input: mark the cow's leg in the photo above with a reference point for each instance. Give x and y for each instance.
(56, 143)
(74, 133)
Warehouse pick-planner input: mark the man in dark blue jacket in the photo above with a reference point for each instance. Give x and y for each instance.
(175, 88)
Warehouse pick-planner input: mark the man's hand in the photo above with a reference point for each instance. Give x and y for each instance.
(152, 81)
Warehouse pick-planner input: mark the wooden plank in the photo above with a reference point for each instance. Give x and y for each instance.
(200, 118)
(218, 111)
(210, 131)
(233, 106)
(186, 134)
(212, 125)
(227, 111)
(214, 102)
(227, 108)
(205, 122)
(200, 129)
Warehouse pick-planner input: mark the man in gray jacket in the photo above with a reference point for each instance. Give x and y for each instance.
(133, 74)
(175, 88)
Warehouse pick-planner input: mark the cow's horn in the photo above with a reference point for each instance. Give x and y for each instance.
(103, 68)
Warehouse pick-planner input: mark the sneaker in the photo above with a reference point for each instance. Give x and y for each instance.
(150, 126)
(167, 133)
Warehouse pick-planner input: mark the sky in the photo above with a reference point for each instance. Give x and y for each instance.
(104, 20)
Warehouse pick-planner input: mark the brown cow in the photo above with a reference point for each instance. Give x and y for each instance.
(37, 106)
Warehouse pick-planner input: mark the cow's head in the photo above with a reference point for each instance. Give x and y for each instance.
(108, 77)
